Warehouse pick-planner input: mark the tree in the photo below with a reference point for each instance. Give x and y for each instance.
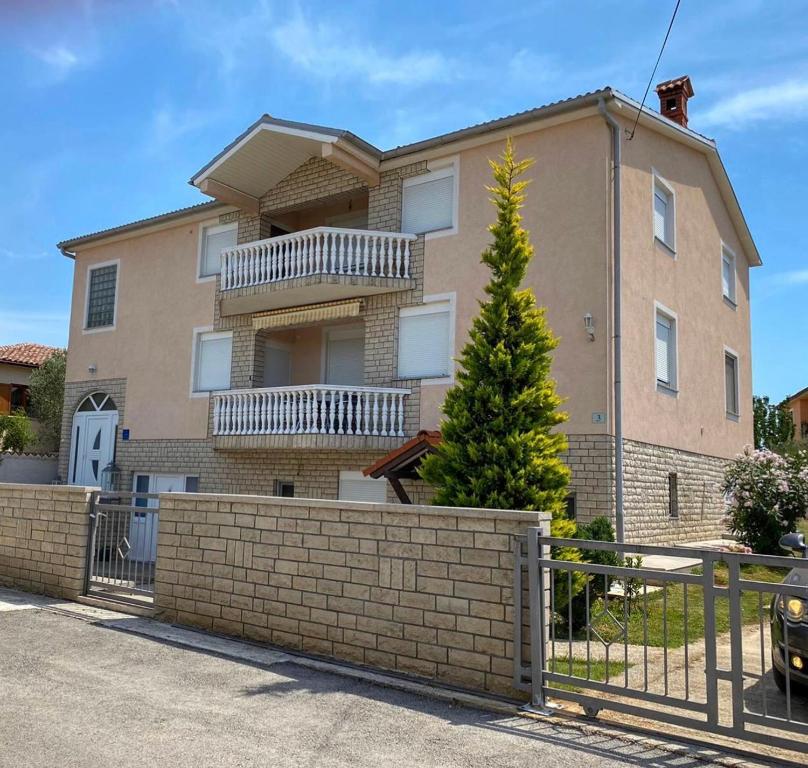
(767, 494)
(499, 448)
(47, 387)
(773, 424)
(16, 432)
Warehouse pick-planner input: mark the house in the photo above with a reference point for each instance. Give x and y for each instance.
(17, 361)
(798, 405)
(301, 325)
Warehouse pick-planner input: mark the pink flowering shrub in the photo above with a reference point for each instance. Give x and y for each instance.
(766, 495)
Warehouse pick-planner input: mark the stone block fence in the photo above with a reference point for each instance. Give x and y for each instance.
(420, 590)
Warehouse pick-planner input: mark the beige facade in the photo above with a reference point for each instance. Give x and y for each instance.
(279, 290)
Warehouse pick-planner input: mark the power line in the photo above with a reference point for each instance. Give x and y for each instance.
(651, 79)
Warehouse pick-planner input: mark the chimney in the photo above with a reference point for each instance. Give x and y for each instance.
(673, 96)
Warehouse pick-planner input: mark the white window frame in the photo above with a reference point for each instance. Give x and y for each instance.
(729, 352)
(437, 169)
(350, 474)
(671, 389)
(727, 254)
(91, 268)
(153, 503)
(658, 182)
(424, 309)
(204, 227)
(208, 329)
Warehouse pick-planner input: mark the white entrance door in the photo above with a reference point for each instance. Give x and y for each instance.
(144, 525)
(92, 446)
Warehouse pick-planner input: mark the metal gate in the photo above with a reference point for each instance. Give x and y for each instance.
(122, 549)
(693, 648)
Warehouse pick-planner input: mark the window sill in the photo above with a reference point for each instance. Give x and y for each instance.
(666, 390)
(670, 250)
(98, 329)
(730, 303)
(205, 393)
(440, 233)
(425, 380)
(736, 417)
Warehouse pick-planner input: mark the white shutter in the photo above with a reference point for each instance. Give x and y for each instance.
(354, 486)
(660, 215)
(277, 366)
(213, 361)
(345, 360)
(428, 205)
(423, 343)
(664, 346)
(215, 239)
(728, 276)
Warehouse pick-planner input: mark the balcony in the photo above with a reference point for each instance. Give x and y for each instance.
(315, 415)
(313, 265)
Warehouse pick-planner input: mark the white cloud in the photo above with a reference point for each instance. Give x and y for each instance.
(327, 52)
(59, 59)
(168, 125)
(10, 255)
(786, 101)
(788, 279)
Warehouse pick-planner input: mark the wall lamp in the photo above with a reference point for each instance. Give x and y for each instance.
(589, 325)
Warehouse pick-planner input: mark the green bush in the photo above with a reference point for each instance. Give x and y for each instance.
(767, 494)
(16, 432)
(599, 529)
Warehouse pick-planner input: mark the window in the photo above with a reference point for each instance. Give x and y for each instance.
(277, 364)
(212, 361)
(664, 213)
(345, 356)
(425, 341)
(354, 486)
(285, 488)
(728, 274)
(102, 285)
(731, 383)
(429, 202)
(570, 511)
(665, 351)
(213, 239)
(158, 483)
(673, 494)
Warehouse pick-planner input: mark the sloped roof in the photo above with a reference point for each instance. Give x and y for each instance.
(407, 456)
(26, 353)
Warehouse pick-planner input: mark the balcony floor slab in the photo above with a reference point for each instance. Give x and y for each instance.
(314, 442)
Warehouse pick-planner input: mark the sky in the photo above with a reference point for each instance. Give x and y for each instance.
(110, 106)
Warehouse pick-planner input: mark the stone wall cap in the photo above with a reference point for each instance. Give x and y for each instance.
(368, 506)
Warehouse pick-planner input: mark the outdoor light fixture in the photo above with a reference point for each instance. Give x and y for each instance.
(91, 369)
(110, 476)
(589, 324)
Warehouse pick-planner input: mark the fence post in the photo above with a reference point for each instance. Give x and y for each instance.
(736, 641)
(710, 660)
(89, 558)
(537, 578)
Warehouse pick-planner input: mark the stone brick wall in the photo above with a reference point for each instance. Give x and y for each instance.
(646, 498)
(421, 590)
(43, 538)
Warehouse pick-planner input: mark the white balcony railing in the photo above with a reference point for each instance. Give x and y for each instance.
(312, 409)
(318, 251)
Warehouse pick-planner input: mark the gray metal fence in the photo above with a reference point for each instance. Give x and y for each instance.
(122, 549)
(711, 649)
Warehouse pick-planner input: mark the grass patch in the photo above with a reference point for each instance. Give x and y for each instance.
(596, 670)
(665, 610)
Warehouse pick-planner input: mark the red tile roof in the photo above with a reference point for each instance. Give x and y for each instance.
(26, 353)
(424, 442)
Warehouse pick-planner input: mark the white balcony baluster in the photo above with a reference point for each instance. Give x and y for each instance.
(314, 409)
(322, 250)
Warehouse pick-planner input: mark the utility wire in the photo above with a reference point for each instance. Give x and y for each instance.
(651, 79)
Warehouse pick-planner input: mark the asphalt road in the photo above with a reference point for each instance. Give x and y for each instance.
(76, 693)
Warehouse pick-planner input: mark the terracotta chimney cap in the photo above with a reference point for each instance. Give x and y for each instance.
(673, 96)
(678, 83)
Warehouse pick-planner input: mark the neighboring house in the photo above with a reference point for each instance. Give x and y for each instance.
(798, 405)
(17, 361)
(302, 325)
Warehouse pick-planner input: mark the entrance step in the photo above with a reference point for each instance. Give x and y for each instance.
(121, 606)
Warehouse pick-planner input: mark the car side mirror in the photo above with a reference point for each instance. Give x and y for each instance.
(795, 542)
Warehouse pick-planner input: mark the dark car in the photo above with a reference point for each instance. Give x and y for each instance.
(789, 622)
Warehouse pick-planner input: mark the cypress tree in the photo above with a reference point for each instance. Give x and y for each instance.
(498, 448)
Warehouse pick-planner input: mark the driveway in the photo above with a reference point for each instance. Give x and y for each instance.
(79, 692)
